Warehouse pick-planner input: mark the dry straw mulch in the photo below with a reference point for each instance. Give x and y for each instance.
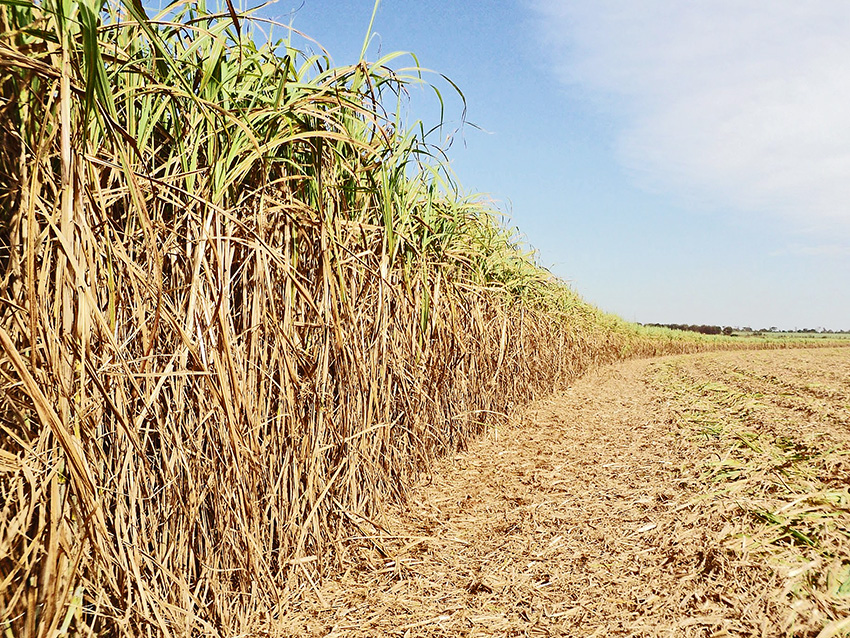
(600, 512)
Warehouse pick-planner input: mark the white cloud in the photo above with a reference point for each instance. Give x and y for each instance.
(741, 104)
(820, 250)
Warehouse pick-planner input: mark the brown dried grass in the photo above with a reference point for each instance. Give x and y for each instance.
(606, 510)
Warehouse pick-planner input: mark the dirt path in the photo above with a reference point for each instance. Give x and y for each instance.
(600, 512)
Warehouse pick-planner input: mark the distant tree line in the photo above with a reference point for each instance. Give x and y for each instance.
(729, 330)
(812, 331)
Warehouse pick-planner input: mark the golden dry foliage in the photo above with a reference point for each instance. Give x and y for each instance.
(240, 308)
(689, 497)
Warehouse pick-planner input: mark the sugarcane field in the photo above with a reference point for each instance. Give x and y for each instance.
(267, 369)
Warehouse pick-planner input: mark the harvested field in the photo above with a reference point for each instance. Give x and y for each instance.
(699, 495)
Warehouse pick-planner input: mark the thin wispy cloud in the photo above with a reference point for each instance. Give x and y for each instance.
(821, 250)
(735, 104)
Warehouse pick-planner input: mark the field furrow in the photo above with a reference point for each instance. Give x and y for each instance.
(700, 495)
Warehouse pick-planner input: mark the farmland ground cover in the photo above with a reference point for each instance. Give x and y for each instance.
(700, 495)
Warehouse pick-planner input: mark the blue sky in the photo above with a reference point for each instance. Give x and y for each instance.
(675, 162)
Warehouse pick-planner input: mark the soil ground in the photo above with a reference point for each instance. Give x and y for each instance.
(701, 495)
